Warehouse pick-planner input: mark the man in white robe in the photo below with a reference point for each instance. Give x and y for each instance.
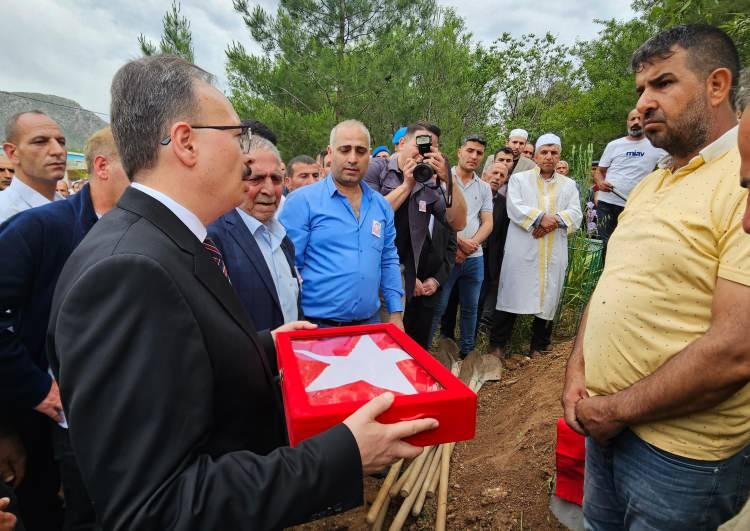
(544, 209)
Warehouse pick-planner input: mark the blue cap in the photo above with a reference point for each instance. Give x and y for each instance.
(380, 149)
(398, 135)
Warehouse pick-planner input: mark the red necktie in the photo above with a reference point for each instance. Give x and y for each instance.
(215, 255)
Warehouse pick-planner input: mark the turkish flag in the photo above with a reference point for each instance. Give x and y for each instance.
(358, 368)
(327, 374)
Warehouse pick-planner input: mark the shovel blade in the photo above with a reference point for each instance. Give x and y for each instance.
(442, 356)
(490, 368)
(469, 366)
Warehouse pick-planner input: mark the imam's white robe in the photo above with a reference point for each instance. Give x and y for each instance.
(533, 270)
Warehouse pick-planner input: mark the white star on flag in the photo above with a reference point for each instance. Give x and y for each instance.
(366, 362)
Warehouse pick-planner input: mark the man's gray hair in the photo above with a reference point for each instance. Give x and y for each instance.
(743, 91)
(258, 143)
(347, 123)
(148, 96)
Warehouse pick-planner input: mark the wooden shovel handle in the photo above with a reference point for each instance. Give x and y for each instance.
(372, 514)
(442, 505)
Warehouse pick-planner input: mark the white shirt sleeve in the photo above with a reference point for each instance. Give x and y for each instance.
(606, 160)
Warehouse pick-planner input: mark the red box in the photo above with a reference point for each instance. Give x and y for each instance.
(370, 359)
(570, 461)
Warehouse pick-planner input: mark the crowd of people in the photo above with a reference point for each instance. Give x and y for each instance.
(138, 371)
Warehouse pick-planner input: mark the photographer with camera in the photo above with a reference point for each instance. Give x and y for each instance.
(417, 183)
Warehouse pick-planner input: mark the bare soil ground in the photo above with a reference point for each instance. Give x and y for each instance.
(502, 479)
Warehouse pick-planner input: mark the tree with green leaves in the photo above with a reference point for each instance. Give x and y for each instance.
(176, 39)
(606, 93)
(733, 16)
(386, 63)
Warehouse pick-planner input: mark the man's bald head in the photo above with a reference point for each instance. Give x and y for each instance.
(35, 145)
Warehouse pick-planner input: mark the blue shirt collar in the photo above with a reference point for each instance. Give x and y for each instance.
(331, 186)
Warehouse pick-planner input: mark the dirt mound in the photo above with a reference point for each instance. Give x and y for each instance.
(502, 479)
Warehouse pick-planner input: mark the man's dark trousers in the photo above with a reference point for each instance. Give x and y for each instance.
(607, 215)
(502, 330)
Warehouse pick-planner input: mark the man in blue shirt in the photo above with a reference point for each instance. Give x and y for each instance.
(344, 239)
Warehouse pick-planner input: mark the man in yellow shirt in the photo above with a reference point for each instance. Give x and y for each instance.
(658, 376)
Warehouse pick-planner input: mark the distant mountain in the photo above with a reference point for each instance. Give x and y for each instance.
(77, 124)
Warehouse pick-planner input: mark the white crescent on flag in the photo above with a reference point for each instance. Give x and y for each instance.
(366, 362)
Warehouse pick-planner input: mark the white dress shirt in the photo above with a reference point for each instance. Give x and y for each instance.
(18, 197)
(190, 220)
(269, 236)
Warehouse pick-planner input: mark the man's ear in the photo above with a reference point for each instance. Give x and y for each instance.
(10, 152)
(719, 86)
(101, 167)
(183, 144)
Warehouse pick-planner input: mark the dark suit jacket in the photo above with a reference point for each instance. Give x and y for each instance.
(438, 255)
(248, 270)
(173, 412)
(495, 247)
(34, 246)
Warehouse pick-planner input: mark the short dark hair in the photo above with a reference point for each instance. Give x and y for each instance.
(709, 48)
(260, 129)
(422, 125)
(299, 159)
(504, 149)
(11, 126)
(473, 138)
(148, 95)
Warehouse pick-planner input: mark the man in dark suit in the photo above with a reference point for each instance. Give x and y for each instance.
(435, 264)
(496, 175)
(257, 252)
(34, 246)
(169, 393)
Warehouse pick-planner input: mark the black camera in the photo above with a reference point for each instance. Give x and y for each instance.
(423, 172)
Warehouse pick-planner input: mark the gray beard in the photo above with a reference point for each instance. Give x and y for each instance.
(637, 133)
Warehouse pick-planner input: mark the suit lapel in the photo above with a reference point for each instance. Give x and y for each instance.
(246, 241)
(288, 247)
(204, 269)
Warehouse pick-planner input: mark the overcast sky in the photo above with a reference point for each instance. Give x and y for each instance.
(71, 48)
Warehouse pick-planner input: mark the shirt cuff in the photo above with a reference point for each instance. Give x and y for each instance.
(560, 221)
(393, 302)
(538, 220)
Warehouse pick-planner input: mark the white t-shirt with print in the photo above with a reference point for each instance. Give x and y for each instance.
(628, 162)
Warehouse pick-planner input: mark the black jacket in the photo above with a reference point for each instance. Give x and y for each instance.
(438, 254)
(173, 411)
(495, 243)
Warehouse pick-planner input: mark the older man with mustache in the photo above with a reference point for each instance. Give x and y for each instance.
(257, 252)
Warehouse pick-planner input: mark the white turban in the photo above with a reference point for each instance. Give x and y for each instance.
(520, 133)
(548, 139)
